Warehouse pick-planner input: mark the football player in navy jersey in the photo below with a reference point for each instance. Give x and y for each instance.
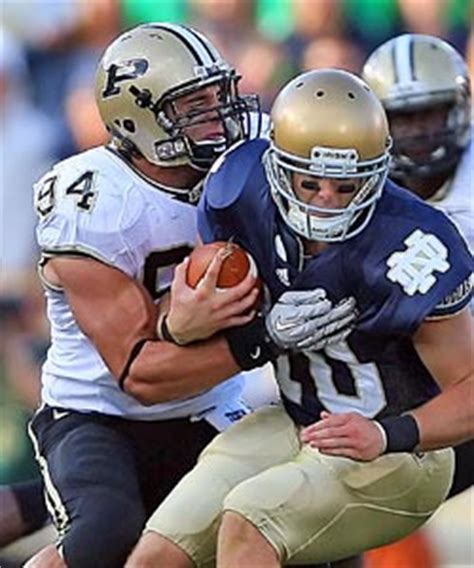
(424, 86)
(359, 454)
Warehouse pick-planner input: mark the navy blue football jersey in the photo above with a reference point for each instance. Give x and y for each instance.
(408, 264)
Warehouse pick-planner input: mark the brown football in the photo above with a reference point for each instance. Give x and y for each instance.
(234, 268)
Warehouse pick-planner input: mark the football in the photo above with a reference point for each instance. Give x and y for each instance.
(234, 269)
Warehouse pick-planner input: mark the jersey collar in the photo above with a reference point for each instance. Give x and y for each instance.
(190, 196)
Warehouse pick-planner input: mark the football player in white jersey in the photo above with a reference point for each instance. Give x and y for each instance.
(113, 223)
(125, 413)
(423, 83)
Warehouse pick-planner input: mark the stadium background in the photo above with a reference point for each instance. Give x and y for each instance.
(48, 53)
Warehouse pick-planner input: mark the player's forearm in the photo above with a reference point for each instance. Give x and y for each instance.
(447, 419)
(164, 371)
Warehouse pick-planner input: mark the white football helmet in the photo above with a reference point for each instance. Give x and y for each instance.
(412, 73)
(328, 124)
(140, 76)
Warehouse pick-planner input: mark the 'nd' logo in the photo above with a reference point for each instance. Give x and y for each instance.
(414, 267)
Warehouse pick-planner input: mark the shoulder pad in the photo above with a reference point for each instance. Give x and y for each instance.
(86, 205)
(239, 167)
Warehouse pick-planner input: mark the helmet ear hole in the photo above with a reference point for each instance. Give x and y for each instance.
(129, 126)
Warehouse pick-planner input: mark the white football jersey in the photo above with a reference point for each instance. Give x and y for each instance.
(96, 204)
(456, 197)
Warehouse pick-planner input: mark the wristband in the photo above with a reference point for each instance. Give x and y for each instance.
(133, 355)
(164, 332)
(402, 432)
(250, 344)
(381, 429)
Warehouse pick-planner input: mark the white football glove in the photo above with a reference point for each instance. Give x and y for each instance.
(308, 320)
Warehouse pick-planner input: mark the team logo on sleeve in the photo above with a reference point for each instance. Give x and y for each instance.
(414, 267)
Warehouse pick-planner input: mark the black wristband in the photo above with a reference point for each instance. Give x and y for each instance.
(250, 344)
(133, 355)
(403, 434)
(165, 333)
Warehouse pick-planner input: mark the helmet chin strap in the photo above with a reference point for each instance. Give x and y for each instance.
(205, 152)
(199, 154)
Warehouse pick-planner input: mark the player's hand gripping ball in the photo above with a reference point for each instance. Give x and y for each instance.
(234, 269)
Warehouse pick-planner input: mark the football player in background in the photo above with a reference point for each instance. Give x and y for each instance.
(358, 455)
(113, 223)
(424, 86)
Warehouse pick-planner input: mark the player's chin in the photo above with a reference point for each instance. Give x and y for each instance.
(322, 214)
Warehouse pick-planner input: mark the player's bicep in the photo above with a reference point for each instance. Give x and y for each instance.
(445, 347)
(111, 308)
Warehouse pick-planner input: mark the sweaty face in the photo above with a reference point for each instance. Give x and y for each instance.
(326, 193)
(198, 110)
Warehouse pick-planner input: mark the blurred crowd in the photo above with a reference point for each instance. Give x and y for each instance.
(48, 53)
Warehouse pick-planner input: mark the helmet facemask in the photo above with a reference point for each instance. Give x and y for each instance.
(232, 112)
(320, 223)
(427, 152)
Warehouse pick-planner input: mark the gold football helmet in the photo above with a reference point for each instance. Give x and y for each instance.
(328, 124)
(140, 76)
(413, 73)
